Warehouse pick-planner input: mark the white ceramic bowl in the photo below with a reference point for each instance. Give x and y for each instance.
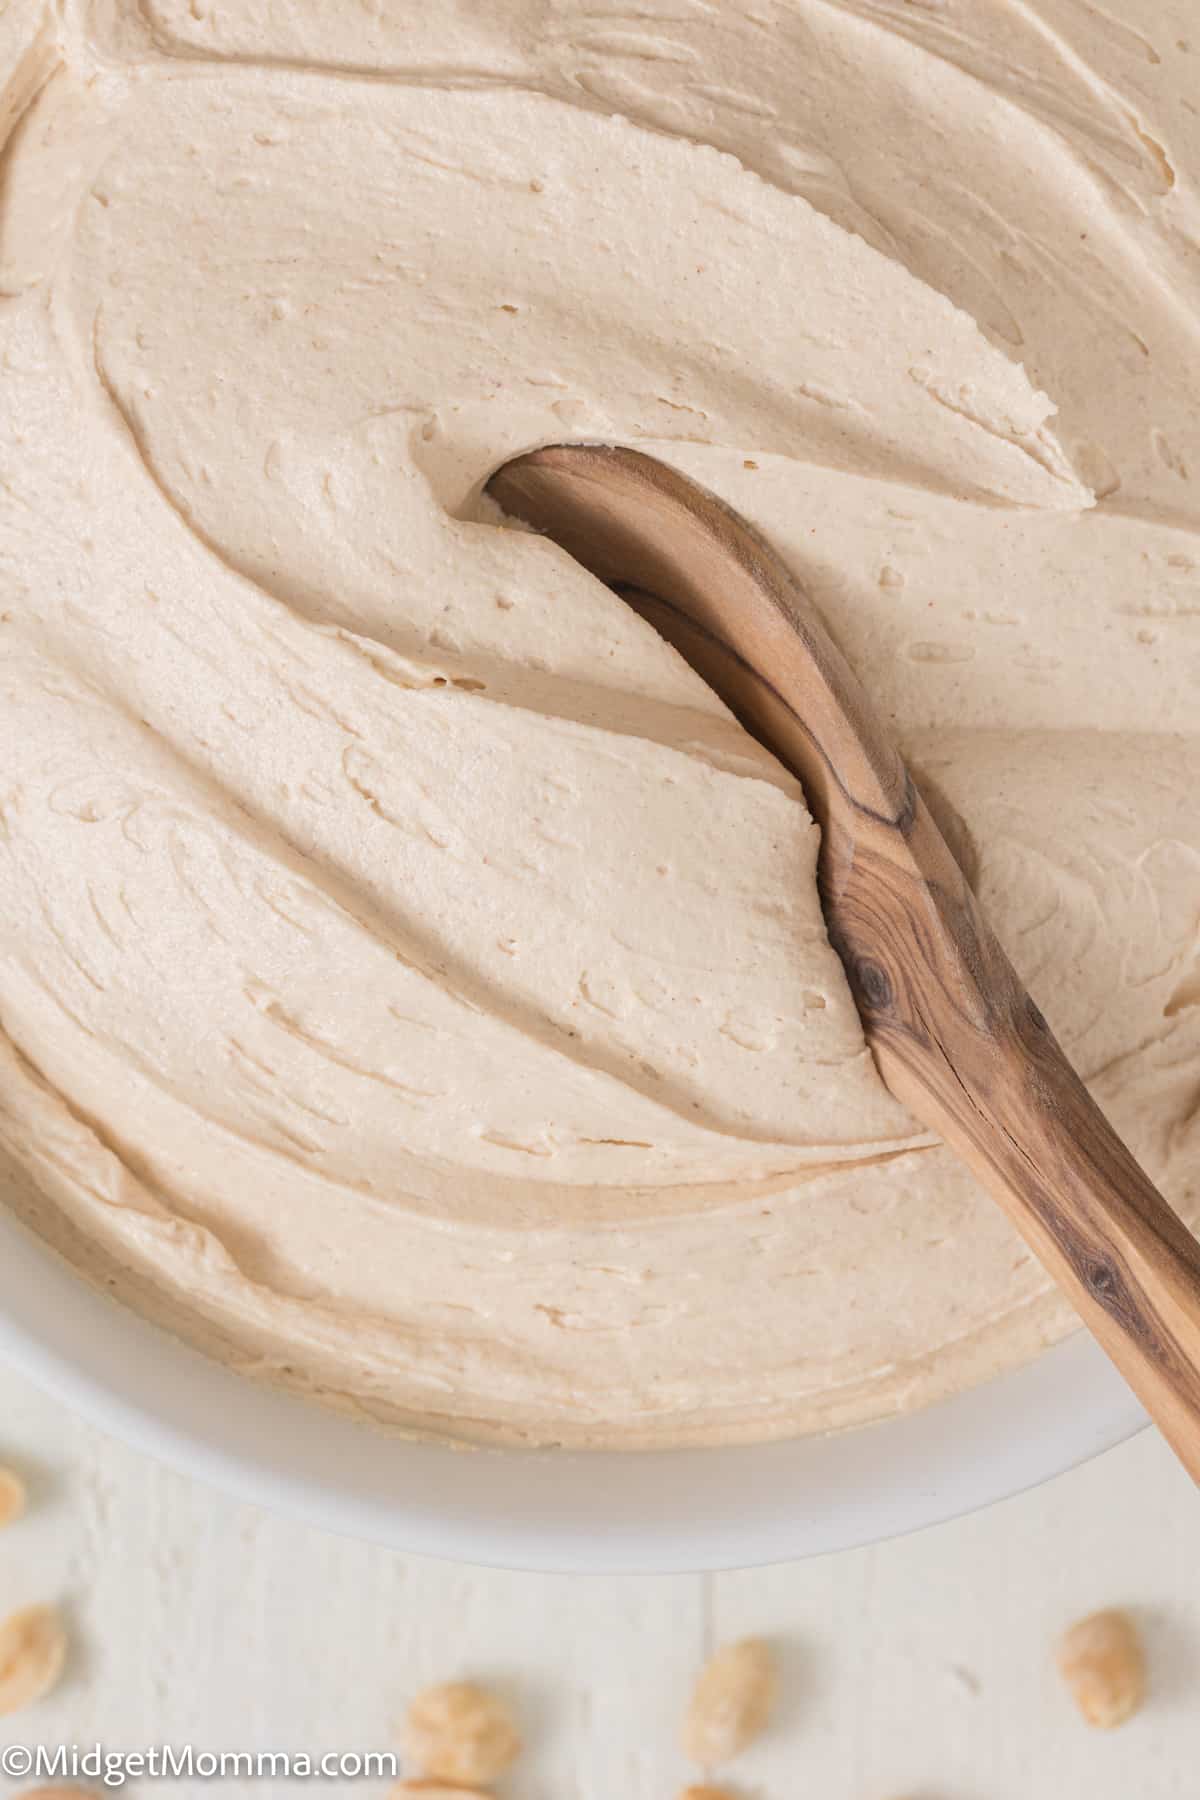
(599, 1512)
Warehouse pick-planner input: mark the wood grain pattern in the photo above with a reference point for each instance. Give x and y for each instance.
(918, 1667)
(955, 1035)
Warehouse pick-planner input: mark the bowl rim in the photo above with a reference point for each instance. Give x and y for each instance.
(589, 1512)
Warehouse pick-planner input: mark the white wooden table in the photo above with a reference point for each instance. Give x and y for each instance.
(918, 1670)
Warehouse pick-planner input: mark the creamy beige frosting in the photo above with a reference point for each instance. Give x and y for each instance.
(412, 982)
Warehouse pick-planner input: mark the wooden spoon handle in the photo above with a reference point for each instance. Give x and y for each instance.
(955, 1035)
(960, 1042)
(1120, 1255)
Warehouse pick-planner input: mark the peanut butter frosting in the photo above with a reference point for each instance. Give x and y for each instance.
(413, 986)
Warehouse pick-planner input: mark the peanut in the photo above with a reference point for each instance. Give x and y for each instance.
(12, 1496)
(57, 1793)
(435, 1790)
(1102, 1662)
(33, 1648)
(730, 1703)
(460, 1732)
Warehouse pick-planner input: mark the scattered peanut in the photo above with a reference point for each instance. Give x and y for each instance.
(436, 1790)
(1102, 1662)
(731, 1702)
(12, 1496)
(33, 1648)
(57, 1793)
(460, 1732)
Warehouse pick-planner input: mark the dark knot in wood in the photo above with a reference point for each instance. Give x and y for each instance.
(1106, 1284)
(874, 985)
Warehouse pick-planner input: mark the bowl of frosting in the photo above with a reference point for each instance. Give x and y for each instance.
(428, 1096)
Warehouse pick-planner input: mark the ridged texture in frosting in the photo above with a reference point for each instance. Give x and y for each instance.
(412, 982)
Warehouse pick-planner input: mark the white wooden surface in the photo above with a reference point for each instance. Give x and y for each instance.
(918, 1670)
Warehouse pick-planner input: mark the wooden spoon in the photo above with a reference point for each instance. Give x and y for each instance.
(955, 1035)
